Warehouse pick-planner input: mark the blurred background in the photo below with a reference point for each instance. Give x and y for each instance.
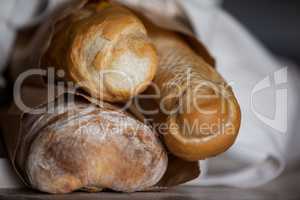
(276, 23)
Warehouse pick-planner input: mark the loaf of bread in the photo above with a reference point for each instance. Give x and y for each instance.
(86, 147)
(114, 56)
(199, 112)
(105, 50)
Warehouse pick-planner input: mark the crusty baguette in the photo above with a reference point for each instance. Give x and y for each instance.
(85, 147)
(103, 48)
(198, 107)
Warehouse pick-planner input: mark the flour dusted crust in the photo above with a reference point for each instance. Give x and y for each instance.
(84, 147)
(104, 49)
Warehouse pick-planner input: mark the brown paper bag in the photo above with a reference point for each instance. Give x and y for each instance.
(18, 138)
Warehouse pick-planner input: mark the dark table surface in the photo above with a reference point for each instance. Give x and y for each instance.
(285, 187)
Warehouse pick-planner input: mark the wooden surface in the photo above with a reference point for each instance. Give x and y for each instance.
(286, 187)
(180, 193)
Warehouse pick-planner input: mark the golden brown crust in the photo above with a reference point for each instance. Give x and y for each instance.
(90, 148)
(104, 49)
(199, 108)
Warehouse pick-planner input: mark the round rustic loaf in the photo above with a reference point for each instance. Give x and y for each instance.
(85, 147)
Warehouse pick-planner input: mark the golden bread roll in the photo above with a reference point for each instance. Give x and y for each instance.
(198, 108)
(104, 49)
(85, 147)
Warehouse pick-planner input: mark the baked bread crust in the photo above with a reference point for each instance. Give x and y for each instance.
(197, 105)
(104, 49)
(85, 147)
